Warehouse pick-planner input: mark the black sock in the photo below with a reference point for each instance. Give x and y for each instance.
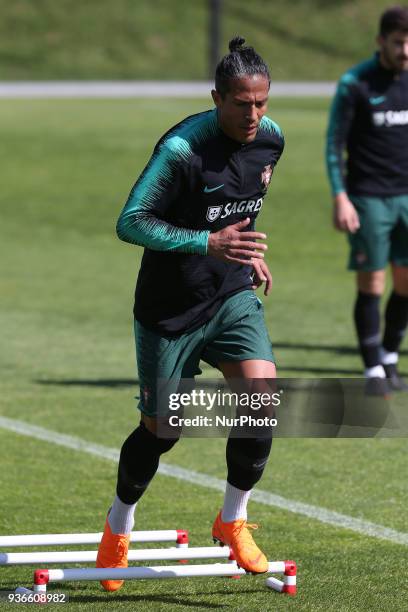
(138, 463)
(367, 321)
(396, 320)
(246, 460)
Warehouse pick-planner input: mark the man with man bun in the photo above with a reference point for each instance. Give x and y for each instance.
(193, 209)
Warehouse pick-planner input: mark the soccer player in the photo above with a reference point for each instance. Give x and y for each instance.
(369, 119)
(193, 208)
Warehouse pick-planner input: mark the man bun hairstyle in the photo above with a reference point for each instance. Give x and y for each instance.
(240, 62)
(235, 43)
(394, 19)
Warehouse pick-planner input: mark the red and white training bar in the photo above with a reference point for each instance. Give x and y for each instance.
(180, 536)
(89, 556)
(42, 577)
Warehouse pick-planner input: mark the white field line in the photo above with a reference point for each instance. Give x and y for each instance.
(263, 497)
(147, 89)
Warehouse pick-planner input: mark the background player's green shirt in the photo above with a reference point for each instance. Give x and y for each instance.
(369, 120)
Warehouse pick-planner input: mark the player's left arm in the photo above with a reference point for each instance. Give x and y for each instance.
(261, 274)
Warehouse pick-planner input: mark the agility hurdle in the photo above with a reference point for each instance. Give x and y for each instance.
(182, 552)
(42, 577)
(89, 556)
(180, 536)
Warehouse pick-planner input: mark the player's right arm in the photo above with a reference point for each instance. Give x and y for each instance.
(143, 219)
(235, 245)
(345, 217)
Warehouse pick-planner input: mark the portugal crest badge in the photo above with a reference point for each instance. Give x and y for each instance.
(266, 177)
(213, 212)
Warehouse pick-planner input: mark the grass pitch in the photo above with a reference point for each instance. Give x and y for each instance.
(67, 362)
(168, 39)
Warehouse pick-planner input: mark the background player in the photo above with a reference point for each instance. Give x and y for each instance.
(193, 209)
(369, 119)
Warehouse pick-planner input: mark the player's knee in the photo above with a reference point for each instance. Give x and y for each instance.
(138, 463)
(400, 280)
(143, 443)
(140, 454)
(371, 283)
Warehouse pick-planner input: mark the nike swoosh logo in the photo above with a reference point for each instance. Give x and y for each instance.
(256, 560)
(377, 100)
(260, 464)
(208, 190)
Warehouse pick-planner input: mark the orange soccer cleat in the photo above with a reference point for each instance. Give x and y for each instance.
(112, 552)
(236, 535)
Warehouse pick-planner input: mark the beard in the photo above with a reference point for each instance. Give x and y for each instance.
(395, 63)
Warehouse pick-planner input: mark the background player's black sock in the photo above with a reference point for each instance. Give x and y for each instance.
(367, 321)
(138, 463)
(396, 320)
(246, 460)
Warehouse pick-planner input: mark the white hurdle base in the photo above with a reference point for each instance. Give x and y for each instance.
(180, 536)
(89, 556)
(43, 577)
